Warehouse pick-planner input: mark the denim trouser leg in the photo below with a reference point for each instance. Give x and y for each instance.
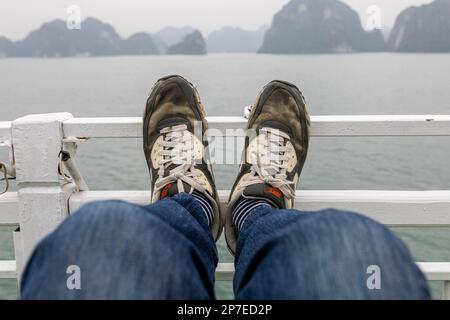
(125, 251)
(165, 251)
(285, 254)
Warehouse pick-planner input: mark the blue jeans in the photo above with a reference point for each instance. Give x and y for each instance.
(165, 251)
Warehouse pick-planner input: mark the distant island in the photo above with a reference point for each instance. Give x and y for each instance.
(422, 29)
(170, 36)
(235, 40)
(319, 26)
(96, 38)
(331, 26)
(300, 27)
(192, 44)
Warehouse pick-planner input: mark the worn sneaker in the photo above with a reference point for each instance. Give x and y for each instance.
(173, 129)
(275, 151)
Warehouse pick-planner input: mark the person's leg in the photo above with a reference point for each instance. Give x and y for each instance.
(125, 251)
(286, 254)
(164, 251)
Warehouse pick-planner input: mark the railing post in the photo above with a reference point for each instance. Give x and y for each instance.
(43, 201)
(446, 293)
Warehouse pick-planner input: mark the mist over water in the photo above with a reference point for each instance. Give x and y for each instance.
(358, 84)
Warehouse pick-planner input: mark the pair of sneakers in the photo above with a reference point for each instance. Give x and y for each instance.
(175, 144)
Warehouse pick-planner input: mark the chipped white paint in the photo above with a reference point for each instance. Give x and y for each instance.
(37, 141)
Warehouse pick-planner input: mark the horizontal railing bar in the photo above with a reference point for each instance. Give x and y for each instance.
(225, 272)
(9, 209)
(392, 208)
(323, 126)
(371, 125)
(8, 269)
(103, 128)
(5, 131)
(434, 271)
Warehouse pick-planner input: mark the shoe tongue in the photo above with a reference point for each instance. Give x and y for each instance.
(266, 192)
(172, 122)
(171, 190)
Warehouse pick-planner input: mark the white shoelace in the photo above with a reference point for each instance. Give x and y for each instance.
(177, 149)
(269, 162)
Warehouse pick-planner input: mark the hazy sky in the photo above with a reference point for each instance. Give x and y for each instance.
(18, 17)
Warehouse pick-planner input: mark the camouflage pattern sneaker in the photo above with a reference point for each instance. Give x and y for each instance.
(275, 151)
(173, 129)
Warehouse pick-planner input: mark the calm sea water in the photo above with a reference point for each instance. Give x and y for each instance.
(332, 84)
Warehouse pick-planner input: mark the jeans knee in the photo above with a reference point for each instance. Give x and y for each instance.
(347, 220)
(107, 207)
(347, 217)
(101, 211)
(355, 225)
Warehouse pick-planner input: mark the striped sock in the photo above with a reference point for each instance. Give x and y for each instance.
(245, 207)
(206, 206)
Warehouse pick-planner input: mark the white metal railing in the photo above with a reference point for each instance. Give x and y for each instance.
(323, 126)
(38, 139)
(392, 208)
